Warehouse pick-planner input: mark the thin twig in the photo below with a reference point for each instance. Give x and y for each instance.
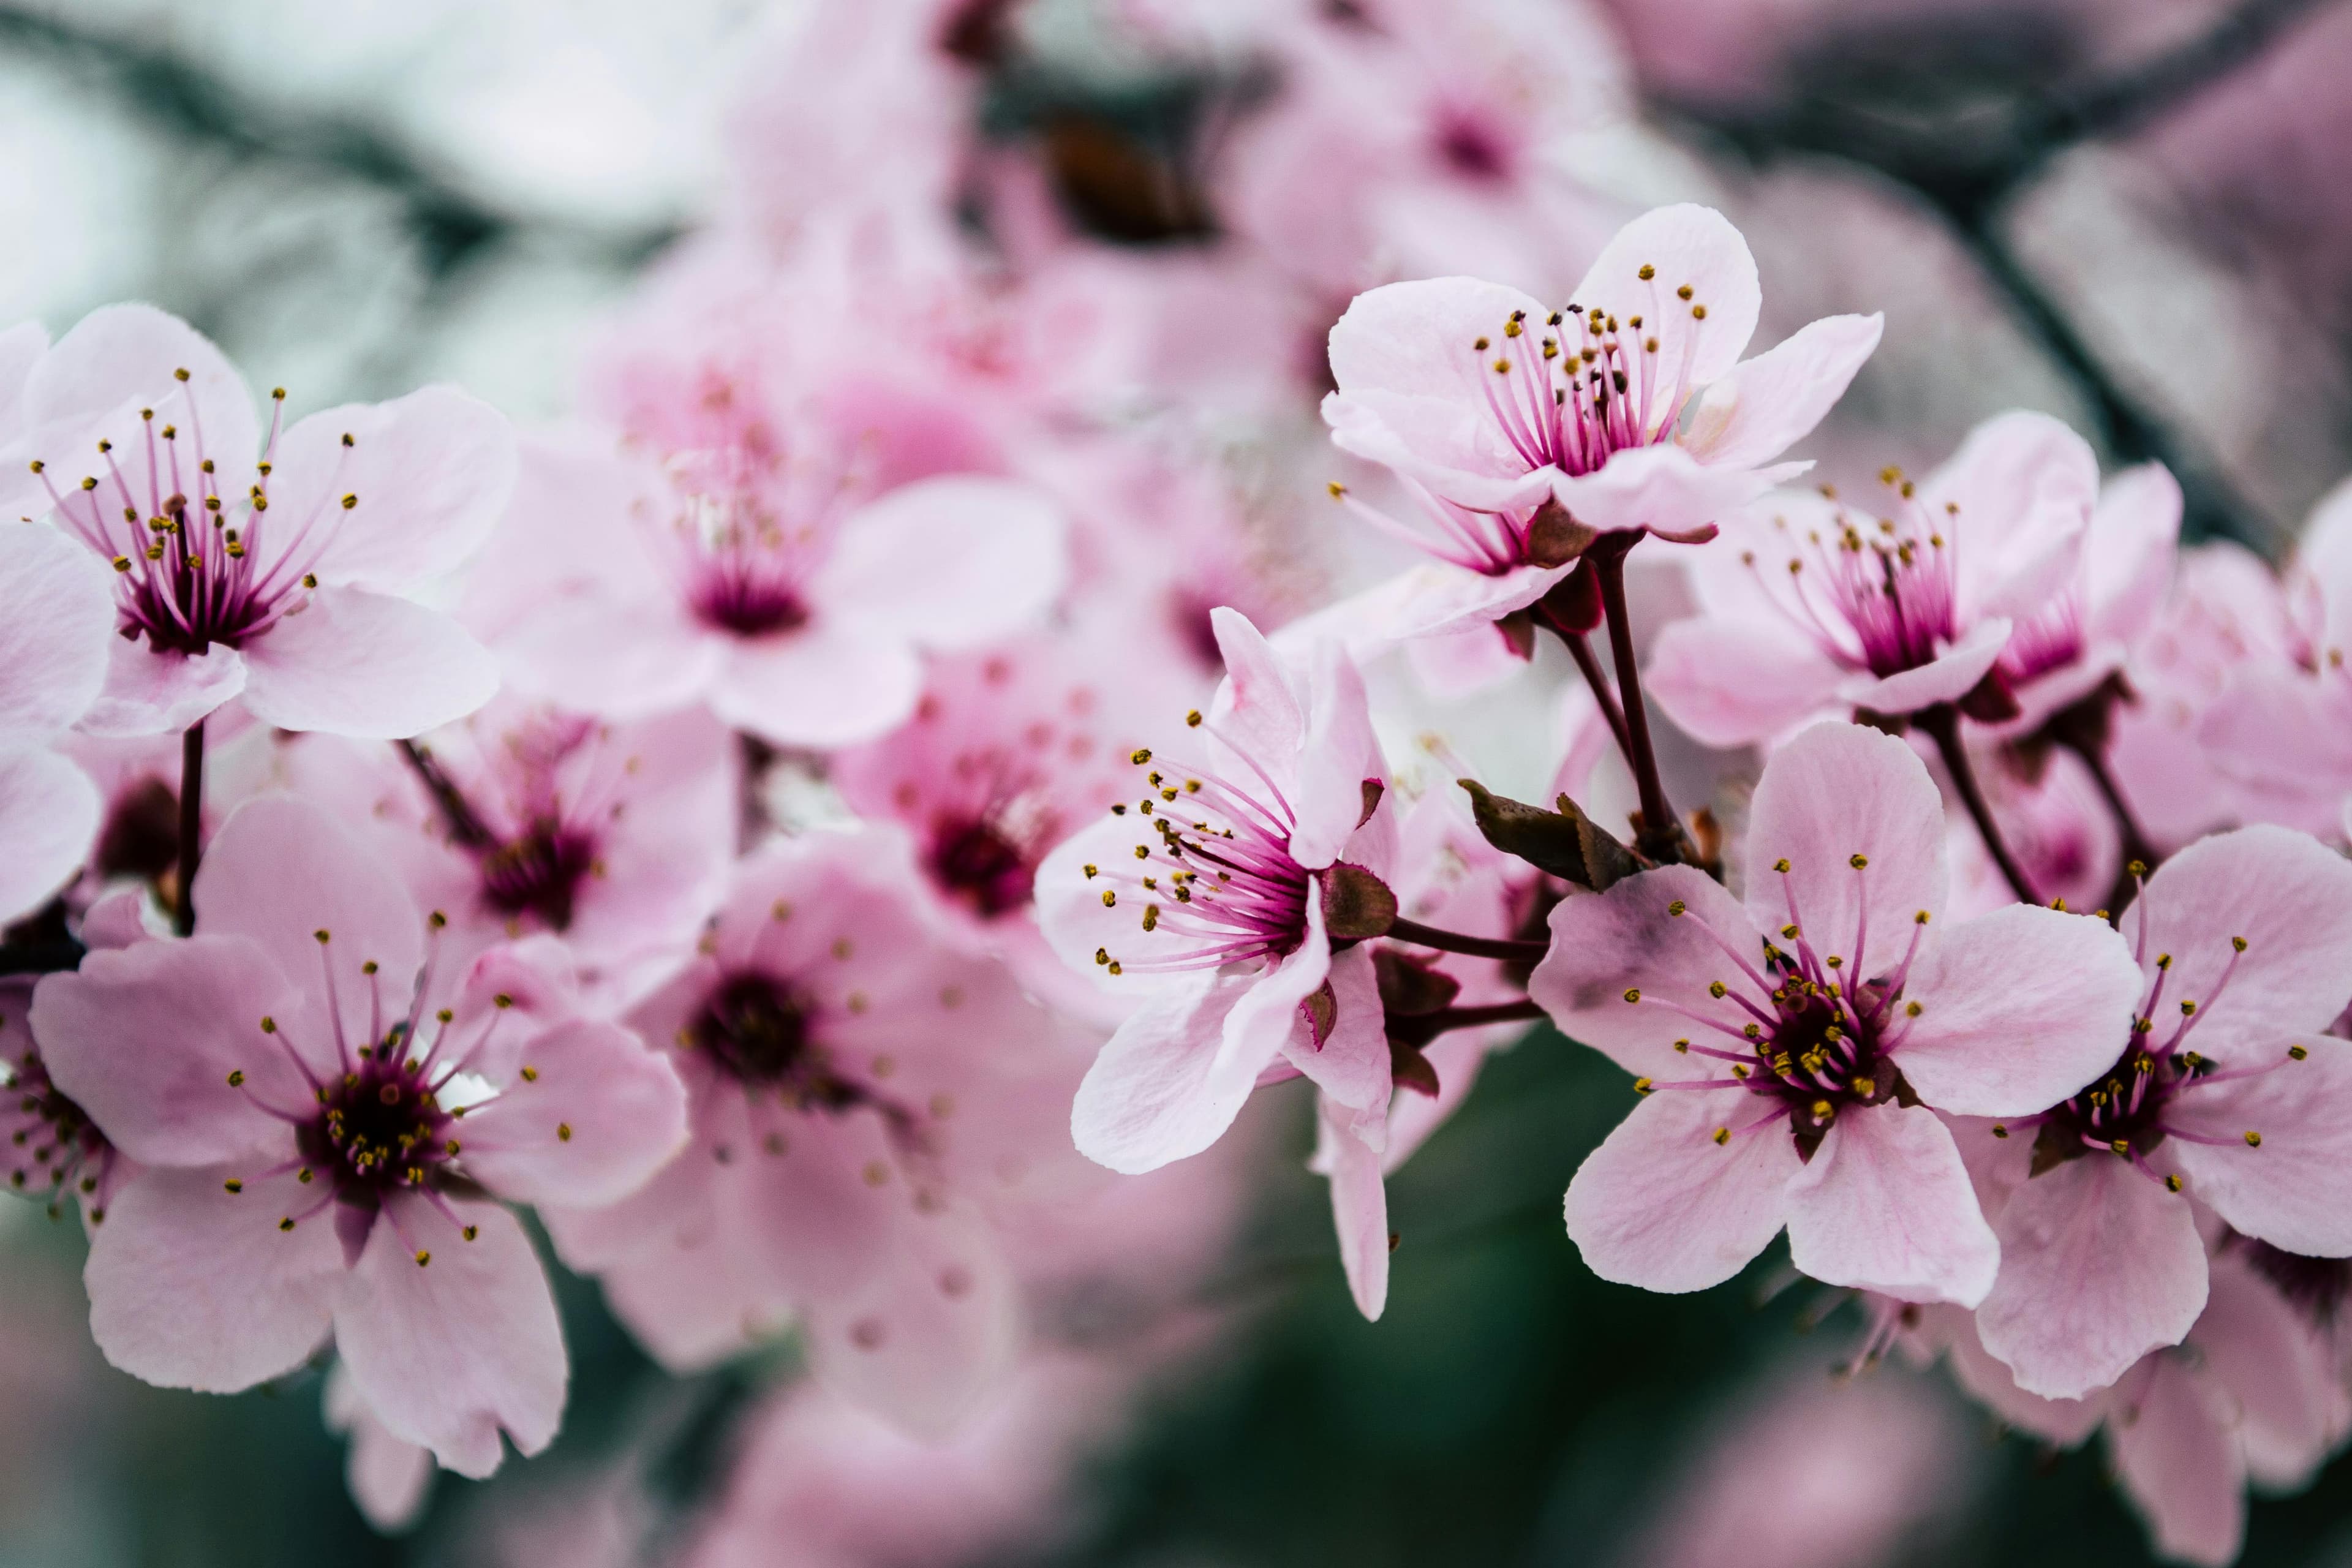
(1942, 725)
(191, 822)
(1510, 949)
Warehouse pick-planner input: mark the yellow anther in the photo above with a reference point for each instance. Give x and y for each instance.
(2253, 1139)
(1722, 1135)
(1633, 994)
(1642, 1086)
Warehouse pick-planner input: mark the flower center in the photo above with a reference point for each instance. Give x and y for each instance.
(381, 1126)
(759, 1032)
(537, 873)
(1880, 595)
(1585, 385)
(977, 863)
(1470, 146)
(195, 566)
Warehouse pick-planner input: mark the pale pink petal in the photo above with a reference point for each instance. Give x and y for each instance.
(1760, 408)
(1450, 445)
(149, 694)
(279, 872)
(810, 1201)
(573, 529)
(1166, 1084)
(116, 359)
(50, 813)
(2019, 1009)
(2099, 1265)
(596, 1116)
(948, 563)
(2062, 1421)
(1350, 1064)
(355, 663)
(1258, 707)
(431, 473)
(619, 658)
(1339, 754)
(2178, 1464)
(1948, 678)
(145, 1037)
(1359, 1206)
(694, 1305)
(1836, 792)
(926, 1340)
(1664, 1205)
(2294, 1190)
(57, 625)
(2270, 1370)
(2276, 723)
(1662, 487)
(451, 1352)
(831, 683)
(2288, 898)
(2135, 534)
(193, 1286)
(1733, 682)
(1433, 599)
(1070, 909)
(387, 1477)
(2023, 484)
(1628, 939)
(118, 919)
(1681, 245)
(1885, 1205)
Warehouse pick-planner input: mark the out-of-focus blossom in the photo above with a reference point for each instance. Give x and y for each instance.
(2223, 1085)
(1845, 1024)
(323, 1116)
(54, 1151)
(1815, 607)
(2056, 824)
(2252, 1394)
(524, 819)
(1417, 139)
(55, 614)
(755, 582)
(388, 1476)
(1208, 895)
(865, 1088)
(269, 565)
(1630, 409)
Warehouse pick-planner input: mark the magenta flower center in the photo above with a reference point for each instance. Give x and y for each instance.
(1212, 879)
(52, 1145)
(1585, 385)
(1878, 597)
(976, 860)
(196, 566)
(538, 872)
(381, 1126)
(760, 1032)
(746, 541)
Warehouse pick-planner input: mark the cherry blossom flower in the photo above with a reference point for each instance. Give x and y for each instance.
(1844, 1021)
(523, 818)
(1630, 408)
(755, 583)
(2223, 1088)
(2250, 1395)
(324, 1117)
(1450, 878)
(864, 1088)
(1207, 895)
(1815, 607)
(269, 564)
(53, 1151)
(55, 614)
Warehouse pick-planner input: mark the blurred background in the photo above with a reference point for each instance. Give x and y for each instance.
(2133, 214)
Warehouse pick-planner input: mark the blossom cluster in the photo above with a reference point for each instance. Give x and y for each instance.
(815, 830)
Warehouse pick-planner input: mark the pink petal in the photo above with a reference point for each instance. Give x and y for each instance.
(811, 1201)
(1740, 683)
(2289, 897)
(1885, 1205)
(48, 815)
(355, 663)
(1662, 487)
(1070, 910)
(1433, 599)
(574, 530)
(387, 1476)
(2179, 1467)
(2060, 1422)
(2019, 1008)
(927, 1338)
(115, 361)
(1258, 708)
(2272, 1371)
(2134, 535)
(2098, 1267)
(596, 1118)
(1352, 1065)
(2278, 724)
(1663, 1206)
(948, 563)
(145, 1037)
(1170, 1082)
(192, 1286)
(1836, 792)
(831, 683)
(1339, 754)
(149, 694)
(278, 872)
(694, 1305)
(1948, 678)
(1759, 409)
(1605, 944)
(1414, 338)
(451, 1354)
(2295, 1190)
(2023, 484)
(56, 621)
(620, 658)
(431, 470)
(1684, 246)
(1359, 1207)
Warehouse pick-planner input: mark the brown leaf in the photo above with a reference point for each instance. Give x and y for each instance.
(1356, 904)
